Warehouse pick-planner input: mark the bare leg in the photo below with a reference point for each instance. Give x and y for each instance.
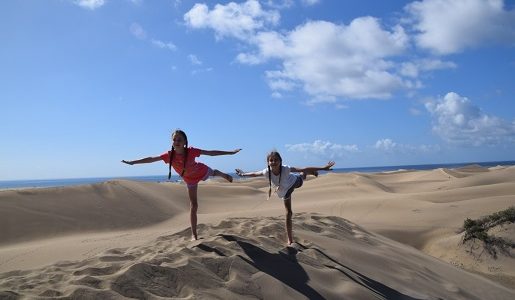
(222, 174)
(289, 213)
(192, 192)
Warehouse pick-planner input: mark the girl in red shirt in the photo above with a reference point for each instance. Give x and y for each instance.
(182, 159)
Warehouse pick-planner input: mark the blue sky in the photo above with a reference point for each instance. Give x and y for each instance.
(86, 84)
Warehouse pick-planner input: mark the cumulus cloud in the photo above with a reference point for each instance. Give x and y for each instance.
(389, 146)
(90, 4)
(385, 144)
(450, 26)
(323, 148)
(231, 20)
(330, 60)
(457, 120)
(414, 68)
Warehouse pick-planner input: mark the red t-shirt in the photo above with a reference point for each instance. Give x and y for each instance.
(195, 171)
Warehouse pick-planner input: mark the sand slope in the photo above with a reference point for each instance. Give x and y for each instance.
(131, 239)
(38, 213)
(244, 258)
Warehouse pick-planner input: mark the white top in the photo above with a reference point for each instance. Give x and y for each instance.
(287, 180)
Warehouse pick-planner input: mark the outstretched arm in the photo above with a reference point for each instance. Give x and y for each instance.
(145, 160)
(248, 174)
(310, 170)
(218, 152)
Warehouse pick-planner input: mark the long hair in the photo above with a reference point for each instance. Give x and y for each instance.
(277, 155)
(171, 153)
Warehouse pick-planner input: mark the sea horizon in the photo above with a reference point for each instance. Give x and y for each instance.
(61, 182)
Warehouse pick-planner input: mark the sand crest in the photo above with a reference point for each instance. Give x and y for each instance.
(245, 258)
(394, 235)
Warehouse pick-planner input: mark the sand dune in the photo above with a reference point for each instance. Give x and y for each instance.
(38, 213)
(390, 235)
(244, 258)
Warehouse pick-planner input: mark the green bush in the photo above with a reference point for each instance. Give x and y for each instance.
(478, 229)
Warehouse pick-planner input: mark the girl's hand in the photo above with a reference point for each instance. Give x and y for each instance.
(329, 165)
(127, 162)
(239, 172)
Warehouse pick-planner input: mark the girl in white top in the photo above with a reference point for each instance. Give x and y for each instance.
(284, 182)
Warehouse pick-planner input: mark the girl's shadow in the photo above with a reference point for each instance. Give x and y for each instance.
(283, 266)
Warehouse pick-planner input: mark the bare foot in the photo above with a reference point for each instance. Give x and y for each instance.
(194, 238)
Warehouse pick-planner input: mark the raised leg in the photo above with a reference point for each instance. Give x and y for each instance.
(223, 175)
(306, 173)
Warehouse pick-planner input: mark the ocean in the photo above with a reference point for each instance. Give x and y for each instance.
(42, 183)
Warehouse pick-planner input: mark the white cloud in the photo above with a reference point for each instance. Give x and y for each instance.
(413, 68)
(389, 146)
(194, 60)
(457, 120)
(138, 31)
(277, 82)
(331, 60)
(450, 26)
(324, 148)
(90, 4)
(231, 20)
(385, 144)
(164, 45)
(279, 4)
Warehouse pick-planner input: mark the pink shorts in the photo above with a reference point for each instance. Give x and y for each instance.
(208, 173)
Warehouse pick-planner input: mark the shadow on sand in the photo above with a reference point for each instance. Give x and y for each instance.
(380, 290)
(284, 267)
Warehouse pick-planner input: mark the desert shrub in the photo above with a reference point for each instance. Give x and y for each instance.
(478, 229)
